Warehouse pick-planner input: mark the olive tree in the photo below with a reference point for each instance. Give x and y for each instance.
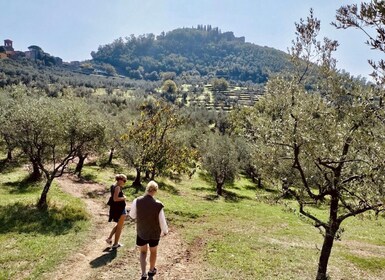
(336, 152)
(219, 84)
(51, 132)
(367, 17)
(5, 125)
(169, 90)
(151, 143)
(331, 140)
(254, 158)
(169, 86)
(220, 159)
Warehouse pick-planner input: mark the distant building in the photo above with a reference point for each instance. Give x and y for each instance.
(7, 50)
(8, 45)
(31, 54)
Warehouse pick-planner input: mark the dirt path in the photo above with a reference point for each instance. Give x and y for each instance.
(95, 260)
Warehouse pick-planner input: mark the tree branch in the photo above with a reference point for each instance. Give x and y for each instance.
(360, 210)
(317, 221)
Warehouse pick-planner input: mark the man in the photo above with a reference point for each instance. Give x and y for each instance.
(150, 226)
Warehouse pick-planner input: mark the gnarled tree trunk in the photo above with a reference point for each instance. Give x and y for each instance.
(79, 166)
(9, 154)
(147, 175)
(36, 173)
(42, 203)
(137, 181)
(220, 188)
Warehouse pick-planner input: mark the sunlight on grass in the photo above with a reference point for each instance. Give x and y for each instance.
(367, 263)
(33, 241)
(244, 234)
(251, 237)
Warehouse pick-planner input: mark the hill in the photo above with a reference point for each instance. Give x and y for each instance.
(203, 51)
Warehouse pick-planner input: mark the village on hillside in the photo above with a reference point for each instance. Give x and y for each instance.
(33, 53)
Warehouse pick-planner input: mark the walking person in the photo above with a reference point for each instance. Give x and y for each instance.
(118, 212)
(150, 226)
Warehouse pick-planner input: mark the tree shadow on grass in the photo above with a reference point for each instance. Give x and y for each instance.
(269, 190)
(7, 165)
(104, 259)
(228, 196)
(203, 188)
(116, 167)
(169, 188)
(23, 218)
(251, 187)
(24, 186)
(234, 197)
(135, 189)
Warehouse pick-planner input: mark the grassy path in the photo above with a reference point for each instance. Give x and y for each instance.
(94, 259)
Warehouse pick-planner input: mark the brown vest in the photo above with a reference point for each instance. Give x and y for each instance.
(147, 217)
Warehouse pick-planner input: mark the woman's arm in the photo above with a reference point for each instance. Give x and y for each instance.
(116, 195)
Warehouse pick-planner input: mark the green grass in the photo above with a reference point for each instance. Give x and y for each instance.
(244, 234)
(31, 241)
(367, 263)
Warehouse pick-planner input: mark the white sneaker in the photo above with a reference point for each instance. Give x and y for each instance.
(117, 246)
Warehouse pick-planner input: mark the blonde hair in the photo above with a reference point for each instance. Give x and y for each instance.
(152, 186)
(120, 177)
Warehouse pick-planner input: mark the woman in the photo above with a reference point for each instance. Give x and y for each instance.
(118, 211)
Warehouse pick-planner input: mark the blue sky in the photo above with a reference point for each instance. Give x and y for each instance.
(71, 29)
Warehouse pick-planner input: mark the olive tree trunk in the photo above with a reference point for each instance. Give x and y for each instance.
(330, 234)
(42, 203)
(79, 166)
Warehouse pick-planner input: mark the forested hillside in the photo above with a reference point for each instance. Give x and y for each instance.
(201, 51)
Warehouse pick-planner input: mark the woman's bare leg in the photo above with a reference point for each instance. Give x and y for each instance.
(119, 228)
(112, 233)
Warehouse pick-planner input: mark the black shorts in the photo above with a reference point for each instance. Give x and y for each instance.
(150, 242)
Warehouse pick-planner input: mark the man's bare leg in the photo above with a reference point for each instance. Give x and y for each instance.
(142, 258)
(153, 255)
